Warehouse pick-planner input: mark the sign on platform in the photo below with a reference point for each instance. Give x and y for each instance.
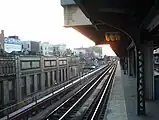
(112, 36)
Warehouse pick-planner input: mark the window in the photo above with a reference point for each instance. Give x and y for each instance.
(31, 83)
(55, 76)
(25, 65)
(53, 63)
(59, 75)
(39, 81)
(64, 62)
(46, 80)
(47, 63)
(1, 93)
(23, 86)
(63, 74)
(30, 64)
(66, 73)
(11, 89)
(60, 62)
(51, 80)
(3, 69)
(28, 45)
(35, 64)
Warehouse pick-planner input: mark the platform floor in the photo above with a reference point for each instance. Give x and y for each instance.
(122, 101)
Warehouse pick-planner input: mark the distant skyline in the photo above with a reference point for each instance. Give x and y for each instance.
(39, 20)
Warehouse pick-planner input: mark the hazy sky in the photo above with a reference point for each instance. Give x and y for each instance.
(39, 20)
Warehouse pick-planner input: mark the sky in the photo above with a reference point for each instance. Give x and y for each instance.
(40, 20)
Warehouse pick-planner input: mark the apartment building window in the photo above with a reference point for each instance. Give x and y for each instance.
(60, 62)
(3, 72)
(47, 63)
(31, 83)
(11, 89)
(9, 69)
(39, 81)
(51, 80)
(46, 80)
(1, 93)
(0, 70)
(28, 45)
(59, 75)
(63, 74)
(5, 69)
(55, 77)
(66, 73)
(53, 63)
(23, 86)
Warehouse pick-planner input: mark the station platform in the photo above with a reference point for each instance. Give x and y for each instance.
(122, 103)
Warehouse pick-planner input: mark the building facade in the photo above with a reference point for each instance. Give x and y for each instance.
(12, 44)
(78, 51)
(95, 50)
(23, 77)
(45, 49)
(7, 81)
(2, 40)
(52, 50)
(31, 47)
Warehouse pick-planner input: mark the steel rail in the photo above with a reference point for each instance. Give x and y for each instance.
(97, 110)
(54, 111)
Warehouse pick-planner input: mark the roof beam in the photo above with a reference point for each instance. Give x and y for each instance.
(132, 44)
(112, 10)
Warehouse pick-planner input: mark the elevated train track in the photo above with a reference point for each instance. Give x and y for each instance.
(94, 94)
(41, 104)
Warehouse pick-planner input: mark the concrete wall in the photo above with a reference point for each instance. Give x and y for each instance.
(30, 67)
(73, 16)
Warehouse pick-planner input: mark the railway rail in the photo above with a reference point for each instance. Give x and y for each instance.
(97, 110)
(68, 110)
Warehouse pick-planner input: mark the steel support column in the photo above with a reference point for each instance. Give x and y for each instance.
(129, 63)
(122, 63)
(134, 63)
(148, 70)
(125, 65)
(140, 83)
(145, 80)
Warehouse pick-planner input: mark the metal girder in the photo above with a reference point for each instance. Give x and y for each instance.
(132, 44)
(111, 10)
(140, 83)
(151, 20)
